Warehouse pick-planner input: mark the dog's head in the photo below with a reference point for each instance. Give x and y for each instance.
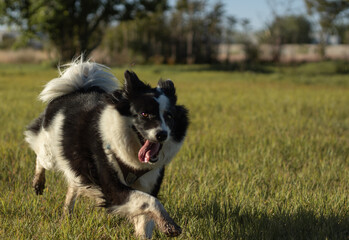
(156, 118)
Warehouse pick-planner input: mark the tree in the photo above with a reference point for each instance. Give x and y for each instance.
(294, 29)
(229, 34)
(343, 32)
(250, 48)
(73, 26)
(196, 30)
(188, 33)
(144, 38)
(214, 30)
(285, 27)
(328, 11)
(190, 15)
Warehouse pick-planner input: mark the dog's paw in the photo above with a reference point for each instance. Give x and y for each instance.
(172, 230)
(39, 185)
(39, 189)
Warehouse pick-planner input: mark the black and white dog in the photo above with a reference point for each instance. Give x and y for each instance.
(111, 143)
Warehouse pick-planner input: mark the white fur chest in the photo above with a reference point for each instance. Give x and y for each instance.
(116, 131)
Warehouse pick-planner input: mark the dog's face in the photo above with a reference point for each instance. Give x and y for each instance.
(154, 115)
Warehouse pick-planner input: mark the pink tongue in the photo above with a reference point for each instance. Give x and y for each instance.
(148, 150)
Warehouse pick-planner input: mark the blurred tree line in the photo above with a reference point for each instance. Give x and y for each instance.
(152, 31)
(190, 32)
(333, 16)
(72, 26)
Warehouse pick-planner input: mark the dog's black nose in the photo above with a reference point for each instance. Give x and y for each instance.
(161, 136)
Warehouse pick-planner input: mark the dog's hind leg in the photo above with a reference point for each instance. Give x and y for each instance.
(70, 200)
(39, 178)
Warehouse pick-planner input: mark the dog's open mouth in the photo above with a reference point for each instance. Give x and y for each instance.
(149, 151)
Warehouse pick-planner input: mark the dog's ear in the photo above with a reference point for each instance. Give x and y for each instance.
(181, 122)
(168, 88)
(132, 82)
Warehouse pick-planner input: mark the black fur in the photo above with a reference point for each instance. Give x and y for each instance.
(157, 185)
(168, 88)
(82, 144)
(110, 144)
(36, 125)
(181, 123)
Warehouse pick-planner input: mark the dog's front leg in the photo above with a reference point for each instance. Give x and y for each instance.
(39, 178)
(144, 226)
(142, 208)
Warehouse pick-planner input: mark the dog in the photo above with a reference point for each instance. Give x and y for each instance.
(111, 143)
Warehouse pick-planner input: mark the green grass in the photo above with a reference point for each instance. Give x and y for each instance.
(266, 157)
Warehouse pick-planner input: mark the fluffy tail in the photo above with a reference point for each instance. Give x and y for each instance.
(76, 76)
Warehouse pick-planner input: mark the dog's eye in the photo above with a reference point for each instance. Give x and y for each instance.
(145, 115)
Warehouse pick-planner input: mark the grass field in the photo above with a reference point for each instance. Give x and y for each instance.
(266, 157)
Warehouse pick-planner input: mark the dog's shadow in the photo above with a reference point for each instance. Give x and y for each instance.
(233, 221)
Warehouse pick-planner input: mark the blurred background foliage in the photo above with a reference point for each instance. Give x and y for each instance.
(152, 31)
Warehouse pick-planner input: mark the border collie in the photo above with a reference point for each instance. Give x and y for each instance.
(111, 143)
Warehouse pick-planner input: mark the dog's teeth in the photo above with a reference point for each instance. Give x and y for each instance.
(146, 159)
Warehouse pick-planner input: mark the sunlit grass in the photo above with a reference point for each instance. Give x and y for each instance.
(266, 157)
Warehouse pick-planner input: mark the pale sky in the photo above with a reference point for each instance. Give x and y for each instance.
(259, 11)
